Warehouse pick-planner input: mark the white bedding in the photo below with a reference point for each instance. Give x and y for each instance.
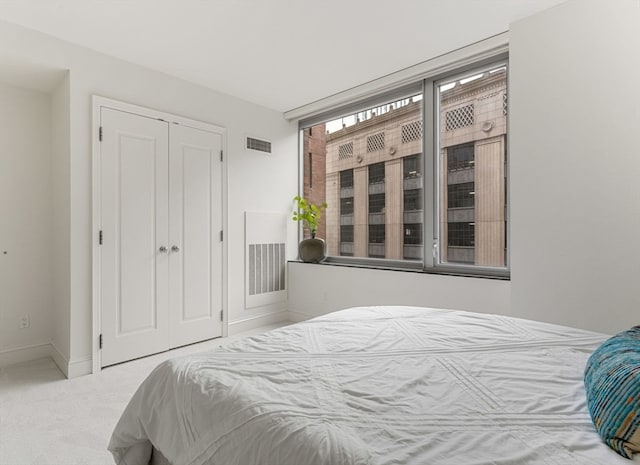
(374, 385)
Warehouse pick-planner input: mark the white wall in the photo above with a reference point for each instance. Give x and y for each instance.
(574, 174)
(60, 238)
(255, 182)
(575, 164)
(318, 289)
(25, 220)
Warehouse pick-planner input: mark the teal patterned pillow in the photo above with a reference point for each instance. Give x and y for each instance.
(612, 383)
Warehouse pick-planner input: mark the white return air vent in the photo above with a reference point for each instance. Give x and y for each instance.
(266, 258)
(258, 145)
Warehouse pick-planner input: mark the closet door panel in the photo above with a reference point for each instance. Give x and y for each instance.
(196, 221)
(134, 221)
(196, 233)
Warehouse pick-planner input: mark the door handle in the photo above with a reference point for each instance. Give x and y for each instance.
(175, 248)
(162, 249)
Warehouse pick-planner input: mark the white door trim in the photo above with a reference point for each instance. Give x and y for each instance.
(99, 102)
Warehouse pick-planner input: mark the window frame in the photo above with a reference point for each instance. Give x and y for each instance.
(462, 268)
(429, 161)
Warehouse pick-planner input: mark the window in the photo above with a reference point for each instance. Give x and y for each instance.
(412, 235)
(461, 234)
(460, 157)
(377, 240)
(346, 179)
(346, 241)
(412, 249)
(460, 195)
(395, 185)
(472, 131)
(346, 233)
(376, 203)
(411, 166)
(412, 200)
(346, 206)
(376, 173)
(376, 233)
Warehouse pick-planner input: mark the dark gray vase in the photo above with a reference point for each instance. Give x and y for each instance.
(312, 250)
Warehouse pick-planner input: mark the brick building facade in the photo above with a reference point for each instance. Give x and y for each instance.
(314, 152)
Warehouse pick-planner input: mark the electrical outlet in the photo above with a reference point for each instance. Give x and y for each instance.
(24, 322)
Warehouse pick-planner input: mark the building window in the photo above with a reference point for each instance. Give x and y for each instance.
(346, 241)
(376, 203)
(411, 166)
(461, 234)
(412, 200)
(346, 233)
(376, 233)
(395, 186)
(377, 241)
(460, 157)
(376, 173)
(413, 234)
(461, 195)
(346, 179)
(346, 206)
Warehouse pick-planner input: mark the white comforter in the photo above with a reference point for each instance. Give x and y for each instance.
(375, 385)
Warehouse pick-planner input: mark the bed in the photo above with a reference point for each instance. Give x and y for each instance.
(373, 385)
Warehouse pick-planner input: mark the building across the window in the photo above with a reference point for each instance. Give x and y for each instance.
(315, 148)
(472, 170)
(379, 146)
(373, 177)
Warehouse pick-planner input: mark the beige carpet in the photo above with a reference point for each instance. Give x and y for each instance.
(46, 419)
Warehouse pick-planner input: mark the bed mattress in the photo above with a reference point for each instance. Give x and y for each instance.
(374, 385)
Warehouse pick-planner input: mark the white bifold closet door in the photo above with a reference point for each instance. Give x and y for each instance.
(161, 253)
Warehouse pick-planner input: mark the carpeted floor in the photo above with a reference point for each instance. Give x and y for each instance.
(46, 419)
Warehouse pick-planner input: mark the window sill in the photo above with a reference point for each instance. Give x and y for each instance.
(501, 275)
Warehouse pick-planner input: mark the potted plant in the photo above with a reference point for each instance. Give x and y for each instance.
(312, 250)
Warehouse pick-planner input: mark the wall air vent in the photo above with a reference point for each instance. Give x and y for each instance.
(258, 145)
(265, 258)
(267, 265)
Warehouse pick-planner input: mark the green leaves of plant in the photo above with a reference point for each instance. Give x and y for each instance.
(308, 212)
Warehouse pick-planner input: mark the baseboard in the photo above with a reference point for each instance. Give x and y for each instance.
(247, 324)
(60, 360)
(296, 317)
(71, 369)
(24, 354)
(80, 367)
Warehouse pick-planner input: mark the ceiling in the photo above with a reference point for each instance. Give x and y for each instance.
(281, 54)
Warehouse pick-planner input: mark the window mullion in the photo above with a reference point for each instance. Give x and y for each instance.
(429, 203)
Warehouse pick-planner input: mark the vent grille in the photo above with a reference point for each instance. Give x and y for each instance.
(345, 151)
(258, 145)
(266, 268)
(265, 254)
(375, 142)
(459, 118)
(411, 131)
